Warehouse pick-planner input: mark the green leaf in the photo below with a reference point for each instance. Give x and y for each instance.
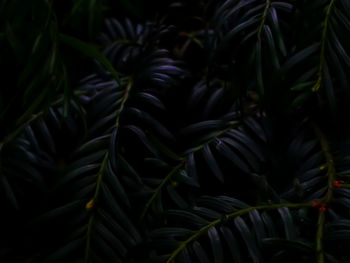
(302, 86)
(300, 57)
(176, 197)
(276, 28)
(104, 250)
(289, 227)
(271, 44)
(232, 244)
(172, 232)
(248, 239)
(294, 245)
(129, 169)
(200, 253)
(75, 173)
(270, 226)
(187, 217)
(60, 254)
(184, 257)
(93, 145)
(206, 213)
(144, 139)
(339, 48)
(46, 136)
(202, 126)
(246, 153)
(301, 99)
(109, 237)
(216, 245)
(258, 225)
(339, 235)
(89, 51)
(191, 167)
(118, 230)
(116, 187)
(213, 165)
(113, 207)
(151, 99)
(259, 70)
(329, 89)
(10, 195)
(61, 211)
(286, 7)
(183, 177)
(232, 156)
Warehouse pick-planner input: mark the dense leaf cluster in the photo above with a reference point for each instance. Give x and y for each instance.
(192, 131)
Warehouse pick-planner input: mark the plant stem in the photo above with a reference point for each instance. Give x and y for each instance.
(177, 168)
(88, 239)
(261, 26)
(323, 46)
(158, 189)
(123, 102)
(231, 216)
(231, 125)
(319, 237)
(91, 204)
(331, 175)
(89, 51)
(32, 118)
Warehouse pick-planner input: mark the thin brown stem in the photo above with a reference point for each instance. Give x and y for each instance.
(325, 201)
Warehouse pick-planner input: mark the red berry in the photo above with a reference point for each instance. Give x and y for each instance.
(337, 183)
(315, 204)
(322, 208)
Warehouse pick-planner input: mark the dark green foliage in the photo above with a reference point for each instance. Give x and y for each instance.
(175, 131)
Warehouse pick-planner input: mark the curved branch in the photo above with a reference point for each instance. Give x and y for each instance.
(178, 167)
(92, 203)
(231, 216)
(123, 102)
(317, 86)
(158, 189)
(261, 26)
(89, 51)
(231, 125)
(23, 123)
(331, 175)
